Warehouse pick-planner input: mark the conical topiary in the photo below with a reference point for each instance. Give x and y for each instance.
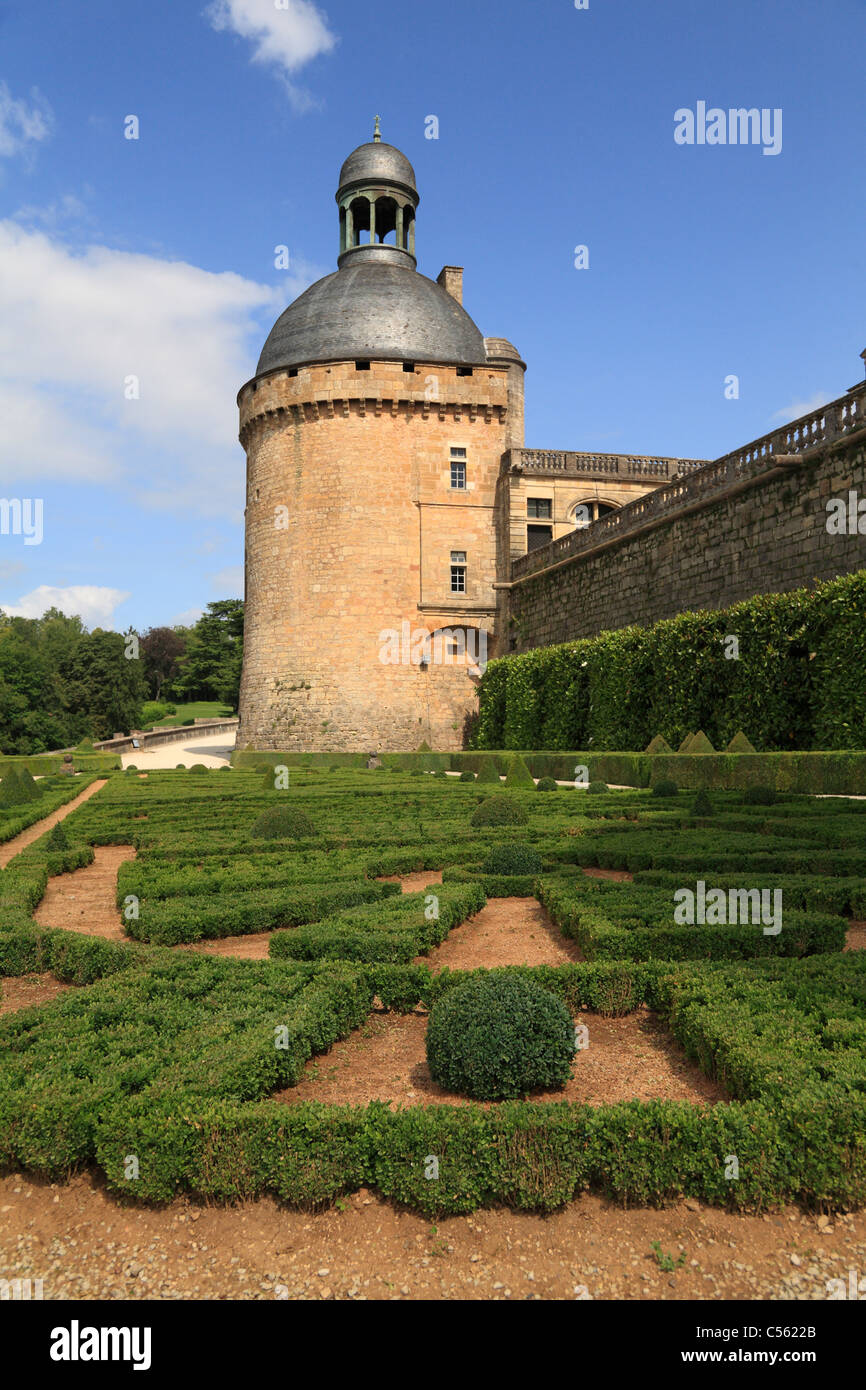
(489, 772)
(740, 744)
(659, 744)
(699, 743)
(17, 787)
(518, 774)
(684, 746)
(28, 783)
(57, 838)
(10, 787)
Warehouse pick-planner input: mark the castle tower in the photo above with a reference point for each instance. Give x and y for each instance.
(374, 429)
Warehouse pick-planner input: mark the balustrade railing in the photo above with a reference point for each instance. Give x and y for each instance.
(693, 481)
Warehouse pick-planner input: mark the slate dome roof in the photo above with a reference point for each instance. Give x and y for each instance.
(376, 308)
(377, 162)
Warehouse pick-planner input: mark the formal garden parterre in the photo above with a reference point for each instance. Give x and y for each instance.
(161, 1070)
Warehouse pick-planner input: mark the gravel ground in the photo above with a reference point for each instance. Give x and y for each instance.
(83, 1244)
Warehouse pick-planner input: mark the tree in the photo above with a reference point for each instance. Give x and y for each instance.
(103, 681)
(161, 651)
(210, 668)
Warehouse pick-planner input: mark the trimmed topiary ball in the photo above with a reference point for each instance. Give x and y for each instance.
(198, 767)
(702, 806)
(499, 810)
(512, 859)
(666, 787)
(546, 784)
(283, 823)
(759, 796)
(498, 1037)
(597, 788)
(467, 776)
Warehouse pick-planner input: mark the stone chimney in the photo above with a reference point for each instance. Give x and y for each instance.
(451, 279)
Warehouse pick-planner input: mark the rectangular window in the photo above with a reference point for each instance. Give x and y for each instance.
(458, 571)
(540, 507)
(458, 469)
(537, 536)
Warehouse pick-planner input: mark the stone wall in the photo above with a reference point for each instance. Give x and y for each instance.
(753, 523)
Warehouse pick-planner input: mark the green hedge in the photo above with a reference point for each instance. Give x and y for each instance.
(397, 931)
(789, 689)
(623, 922)
(169, 921)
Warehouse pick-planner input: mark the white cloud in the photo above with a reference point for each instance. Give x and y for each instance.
(187, 618)
(287, 34)
(76, 327)
(22, 125)
(66, 211)
(798, 408)
(228, 583)
(92, 603)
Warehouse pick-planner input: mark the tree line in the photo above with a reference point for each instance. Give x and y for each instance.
(60, 683)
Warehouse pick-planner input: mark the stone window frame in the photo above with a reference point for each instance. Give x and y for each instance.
(539, 516)
(459, 460)
(532, 526)
(594, 503)
(458, 571)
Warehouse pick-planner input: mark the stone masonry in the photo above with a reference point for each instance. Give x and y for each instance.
(755, 522)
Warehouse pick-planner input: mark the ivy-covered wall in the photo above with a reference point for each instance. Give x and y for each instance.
(796, 679)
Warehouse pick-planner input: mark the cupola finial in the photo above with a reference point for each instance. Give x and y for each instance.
(377, 134)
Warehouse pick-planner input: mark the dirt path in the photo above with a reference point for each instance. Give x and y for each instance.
(252, 947)
(611, 875)
(632, 1058)
(84, 900)
(508, 931)
(23, 991)
(414, 883)
(13, 847)
(84, 1245)
(855, 937)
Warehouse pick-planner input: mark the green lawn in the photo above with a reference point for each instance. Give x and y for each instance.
(197, 709)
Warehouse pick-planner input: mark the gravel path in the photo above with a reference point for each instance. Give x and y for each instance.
(82, 1244)
(13, 847)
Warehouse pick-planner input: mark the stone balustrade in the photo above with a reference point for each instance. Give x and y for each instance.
(699, 483)
(625, 466)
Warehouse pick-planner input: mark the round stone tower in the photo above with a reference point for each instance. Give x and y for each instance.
(374, 429)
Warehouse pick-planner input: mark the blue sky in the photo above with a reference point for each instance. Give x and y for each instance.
(154, 258)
